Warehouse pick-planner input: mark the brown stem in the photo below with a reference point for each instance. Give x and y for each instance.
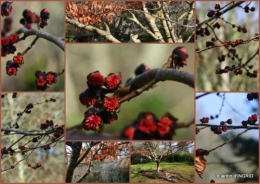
(228, 141)
(30, 46)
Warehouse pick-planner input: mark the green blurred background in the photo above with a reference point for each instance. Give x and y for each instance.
(52, 169)
(44, 55)
(168, 96)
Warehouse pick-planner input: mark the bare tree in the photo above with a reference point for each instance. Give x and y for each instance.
(159, 151)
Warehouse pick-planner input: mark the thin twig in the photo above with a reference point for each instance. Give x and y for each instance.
(230, 127)
(228, 140)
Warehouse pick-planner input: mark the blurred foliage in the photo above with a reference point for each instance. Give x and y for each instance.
(44, 55)
(207, 62)
(53, 159)
(167, 96)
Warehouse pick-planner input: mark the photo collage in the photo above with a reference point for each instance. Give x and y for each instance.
(95, 91)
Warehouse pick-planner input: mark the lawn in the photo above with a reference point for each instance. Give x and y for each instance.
(179, 172)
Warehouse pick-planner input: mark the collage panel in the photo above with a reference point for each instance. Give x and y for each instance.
(32, 138)
(97, 162)
(32, 46)
(162, 162)
(129, 91)
(227, 140)
(130, 21)
(227, 46)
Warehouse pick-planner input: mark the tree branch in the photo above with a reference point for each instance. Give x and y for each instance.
(162, 74)
(31, 32)
(31, 133)
(134, 19)
(224, 11)
(228, 141)
(76, 147)
(231, 127)
(90, 28)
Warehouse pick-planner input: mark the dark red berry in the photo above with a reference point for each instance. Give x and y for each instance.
(6, 8)
(211, 13)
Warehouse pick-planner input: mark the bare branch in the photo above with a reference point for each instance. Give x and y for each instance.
(35, 32)
(228, 141)
(231, 127)
(90, 28)
(162, 74)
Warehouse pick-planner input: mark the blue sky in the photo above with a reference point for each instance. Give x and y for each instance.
(235, 106)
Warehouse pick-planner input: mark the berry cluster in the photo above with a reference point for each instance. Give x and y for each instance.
(250, 121)
(216, 129)
(202, 152)
(247, 8)
(205, 31)
(30, 17)
(216, 13)
(44, 79)
(7, 26)
(237, 71)
(204, 120)
(28, 108)
(6, 8)
(252, 96)
(147, 126)
(38, 165)
(7, 44)
(104, 108)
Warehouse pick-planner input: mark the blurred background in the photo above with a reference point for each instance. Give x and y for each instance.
(167, 96)
(207, 61)
(44, 55)
(52, 160)
(240, 156)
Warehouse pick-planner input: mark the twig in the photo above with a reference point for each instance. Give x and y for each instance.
(29, 133)
(228, 140)
(185, 125)
(28, 48)
(224, 11)
(230, 127)
(30, 32)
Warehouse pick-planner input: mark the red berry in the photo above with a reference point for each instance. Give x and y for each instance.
(5, 41)
(147, 124)
(164, 126)
(92, 122)
(95, 79)
(111, 103)
(224, 128)
(45, 14)
(39, 164)
(211, 13)
(229, 121)
(6, 8)
(217, 6)
(113, 81)
(51, 77)
(14, 38)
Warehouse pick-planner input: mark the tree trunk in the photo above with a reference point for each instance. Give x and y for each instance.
(158, 166)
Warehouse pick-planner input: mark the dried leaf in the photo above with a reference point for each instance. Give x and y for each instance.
(200, 165)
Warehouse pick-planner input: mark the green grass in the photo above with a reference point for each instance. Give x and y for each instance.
(184, 170)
